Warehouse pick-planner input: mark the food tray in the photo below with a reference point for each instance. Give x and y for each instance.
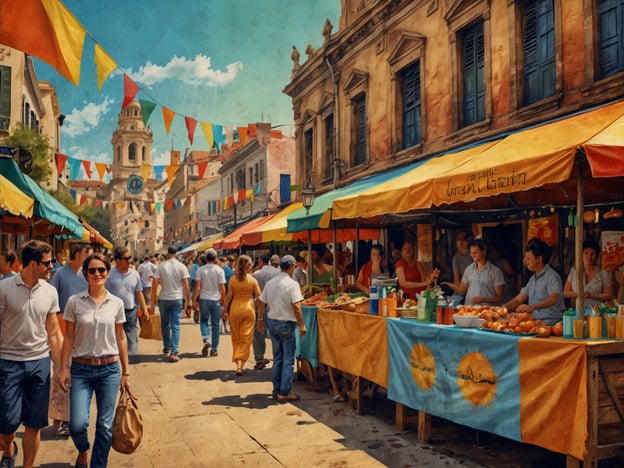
(503, 332)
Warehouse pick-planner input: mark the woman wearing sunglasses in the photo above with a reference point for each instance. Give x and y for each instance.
(96, 343)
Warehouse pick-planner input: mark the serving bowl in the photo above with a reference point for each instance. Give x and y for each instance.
(468, 321)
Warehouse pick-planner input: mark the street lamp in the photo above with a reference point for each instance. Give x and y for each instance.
(307, 197)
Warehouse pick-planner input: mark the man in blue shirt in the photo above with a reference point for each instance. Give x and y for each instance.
(125, 283)
(543, 293)
(7, 259)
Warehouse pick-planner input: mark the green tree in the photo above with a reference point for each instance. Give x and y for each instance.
(96, 216)
(38, 146)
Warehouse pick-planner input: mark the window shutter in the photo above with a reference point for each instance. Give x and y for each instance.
(360, 151)
(473, 54)
(539, 50)
(411, 106)
(610, 37)
(5, 96)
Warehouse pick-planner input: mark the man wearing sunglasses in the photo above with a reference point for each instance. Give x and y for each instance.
(29, 334)
(125, 283)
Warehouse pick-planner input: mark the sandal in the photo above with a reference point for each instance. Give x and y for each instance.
(289, 397)
(239, 372)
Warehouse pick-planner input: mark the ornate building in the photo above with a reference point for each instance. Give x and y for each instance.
(133, 192)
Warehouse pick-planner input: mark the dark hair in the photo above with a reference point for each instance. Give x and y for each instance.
(241, 266)
(34, 250)
(96, 256)
(539, 248)
(202, 260)
(479, 243)
(378, 247)
(591, 243)
(171, 250)
(9, 257)
(120, 252)
(76, 248)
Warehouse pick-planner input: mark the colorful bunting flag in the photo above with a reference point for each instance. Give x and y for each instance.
(201, 167)
(101, 169)
(207, 129)
(104, 64)
(242, 135)
(145, 170)
(87, 167)
(61, 159)
(147, 107)
(191, 123)
(219, 136)
(74, 168)
(168, 116)
(130, 91)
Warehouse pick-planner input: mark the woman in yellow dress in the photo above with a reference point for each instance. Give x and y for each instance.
(239, 310)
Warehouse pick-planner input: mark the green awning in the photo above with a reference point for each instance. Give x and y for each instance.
(46, 206)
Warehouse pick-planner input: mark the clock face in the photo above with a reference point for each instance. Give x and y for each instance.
(135, 184)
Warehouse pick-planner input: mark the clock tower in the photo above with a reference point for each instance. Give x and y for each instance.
(136, 220)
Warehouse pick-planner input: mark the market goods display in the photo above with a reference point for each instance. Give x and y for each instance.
(336, 301)
(499, 319)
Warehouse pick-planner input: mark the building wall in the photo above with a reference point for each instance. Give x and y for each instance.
(378, 40)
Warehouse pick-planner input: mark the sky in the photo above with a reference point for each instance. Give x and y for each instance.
(219, 61)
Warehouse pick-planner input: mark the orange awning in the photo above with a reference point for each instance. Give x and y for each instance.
(605, 151)
(233, 240)
(274, 230)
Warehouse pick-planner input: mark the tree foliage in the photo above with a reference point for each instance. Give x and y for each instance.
(38, 146)
(96, 216)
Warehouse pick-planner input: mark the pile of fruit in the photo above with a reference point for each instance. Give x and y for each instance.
(338, 301)
(500, 319)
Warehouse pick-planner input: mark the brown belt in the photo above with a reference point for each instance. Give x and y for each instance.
(95, 361)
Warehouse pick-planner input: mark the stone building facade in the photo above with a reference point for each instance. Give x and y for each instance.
(402, 80)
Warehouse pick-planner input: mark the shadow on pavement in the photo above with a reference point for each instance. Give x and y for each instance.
(252, 401)
(250, 375)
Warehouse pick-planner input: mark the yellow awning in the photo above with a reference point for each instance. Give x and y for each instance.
(210, 242)
(519, 162)
(14, 200)
(275, 229)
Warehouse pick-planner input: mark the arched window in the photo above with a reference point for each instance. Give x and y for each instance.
(143, 154)
(132, 152)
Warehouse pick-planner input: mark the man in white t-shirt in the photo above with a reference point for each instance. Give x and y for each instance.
(173, 277)
(282, 295)
(146, 271)
(208, 297)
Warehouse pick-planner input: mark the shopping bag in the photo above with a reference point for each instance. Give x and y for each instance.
(128, 424)
(150, 329)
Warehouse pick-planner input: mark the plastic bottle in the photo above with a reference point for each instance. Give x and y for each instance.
(384, 303)
(373, 300)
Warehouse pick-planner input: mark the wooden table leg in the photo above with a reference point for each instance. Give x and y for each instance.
(424, 427)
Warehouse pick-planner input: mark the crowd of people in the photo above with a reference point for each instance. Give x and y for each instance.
(70, 327)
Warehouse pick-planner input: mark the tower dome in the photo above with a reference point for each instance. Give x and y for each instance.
(132, 142)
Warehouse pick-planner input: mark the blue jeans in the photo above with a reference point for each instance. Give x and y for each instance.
(284, 344)
(130, 327)
(210, 321)
(104, 381)
(170, 316)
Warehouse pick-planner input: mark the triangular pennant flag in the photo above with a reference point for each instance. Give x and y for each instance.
(158, 172)
(145, 171)
(207, 129)
(218, 205)
(158, 206)
(130, 91)
(98, 202)
(89, 201)
(74, 168)
(72, 193)
(171, 172)
(168, 116)
(70, 36)
(101, 169)
(191, 123)
(61, 159)
(87, 167)
(24, 24)
(201, 167)
(121, 206)
(147, 107)
(169, 204)
(242, 135)
(219, 136)
(104, 64)
(249, 194)
(82, 199)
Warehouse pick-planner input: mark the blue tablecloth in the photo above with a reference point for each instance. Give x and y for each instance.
(307, 346)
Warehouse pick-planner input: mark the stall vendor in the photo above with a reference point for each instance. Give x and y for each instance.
(597, 286)
(482, 282)
(543, 292)
(411, 273)
(372, 269)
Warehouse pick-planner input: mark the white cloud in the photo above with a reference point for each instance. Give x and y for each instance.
(162, 159)
(78, 152)
(81, 121)
(195, 72)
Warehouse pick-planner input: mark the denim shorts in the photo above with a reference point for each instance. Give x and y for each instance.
(24, 394)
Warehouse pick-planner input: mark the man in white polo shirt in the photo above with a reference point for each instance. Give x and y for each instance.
(29, 334)
(282, 295)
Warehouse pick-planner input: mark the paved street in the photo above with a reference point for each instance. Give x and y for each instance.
(198, 413)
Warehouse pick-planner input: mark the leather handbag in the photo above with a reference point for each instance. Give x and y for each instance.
(127, 424)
